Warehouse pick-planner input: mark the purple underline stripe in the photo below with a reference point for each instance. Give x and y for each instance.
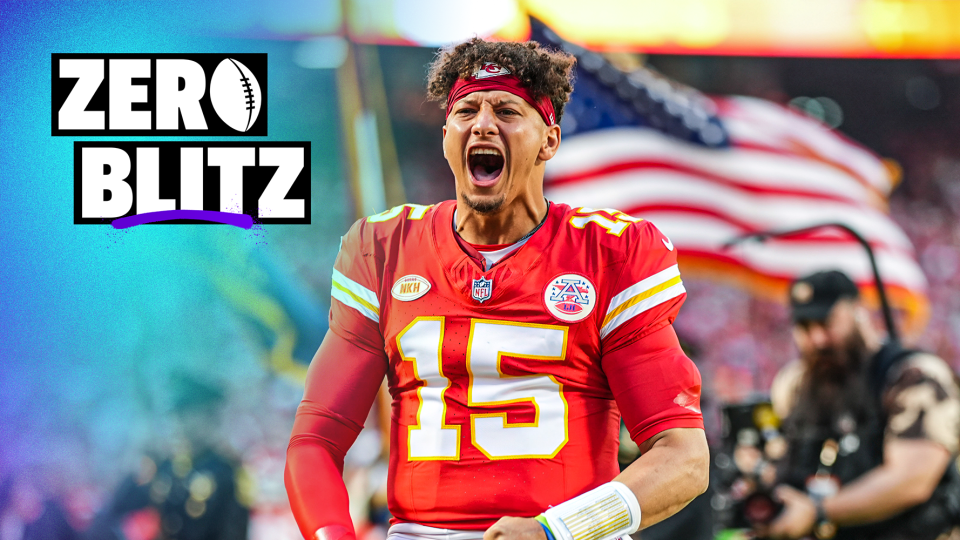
(244, 221)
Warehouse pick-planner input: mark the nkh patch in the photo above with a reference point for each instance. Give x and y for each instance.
(570, 297)
(409, 288)
(482, 289)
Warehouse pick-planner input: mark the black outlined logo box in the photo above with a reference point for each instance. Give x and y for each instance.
(272, 176)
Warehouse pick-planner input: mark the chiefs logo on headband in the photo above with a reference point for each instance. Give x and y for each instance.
(490, 69)
(492, 76)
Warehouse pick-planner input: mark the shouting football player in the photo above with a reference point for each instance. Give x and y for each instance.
(513, 332)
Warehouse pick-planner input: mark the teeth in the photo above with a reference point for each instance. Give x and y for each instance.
(489, 151)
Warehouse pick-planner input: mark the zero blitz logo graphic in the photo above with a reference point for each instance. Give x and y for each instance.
(165, 94)
(235, 94)
(191, 182)
(135, 182)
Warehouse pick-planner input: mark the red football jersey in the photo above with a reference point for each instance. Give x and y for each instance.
(501, 405)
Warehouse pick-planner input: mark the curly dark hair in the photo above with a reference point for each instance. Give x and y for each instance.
(544, 72)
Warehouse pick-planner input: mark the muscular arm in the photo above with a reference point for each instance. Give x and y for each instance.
(656, 385)
(672, 471)
(911, 470)
(924, 414)
(921, 401)
(342, 382)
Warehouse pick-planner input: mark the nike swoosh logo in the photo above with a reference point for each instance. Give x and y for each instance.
(667, 243)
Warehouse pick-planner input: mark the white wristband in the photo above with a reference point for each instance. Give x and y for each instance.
(604, 513)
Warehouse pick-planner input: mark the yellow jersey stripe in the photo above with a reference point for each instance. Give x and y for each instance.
(356, 288)
(643, 285)
(639, 298)
(357, 299)
(657, 298)
(354, 295)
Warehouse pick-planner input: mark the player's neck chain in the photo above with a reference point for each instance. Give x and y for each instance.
(537, 228)
(528, 235)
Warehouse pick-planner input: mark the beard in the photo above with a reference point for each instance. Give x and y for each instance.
(839, 364)
(486, 206)
(835, 383)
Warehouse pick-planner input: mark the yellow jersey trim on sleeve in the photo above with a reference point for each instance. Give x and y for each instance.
(642, 296)
(352, 294)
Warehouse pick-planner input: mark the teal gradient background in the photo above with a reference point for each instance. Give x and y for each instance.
(95, 323)
(96, 320)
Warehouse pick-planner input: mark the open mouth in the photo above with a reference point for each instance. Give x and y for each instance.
(485, 164)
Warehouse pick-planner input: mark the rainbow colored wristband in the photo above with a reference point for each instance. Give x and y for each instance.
(546, 528)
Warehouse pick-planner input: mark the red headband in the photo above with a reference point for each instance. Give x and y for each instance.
(493, 77)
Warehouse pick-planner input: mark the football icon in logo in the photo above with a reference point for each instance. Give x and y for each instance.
(235, 94)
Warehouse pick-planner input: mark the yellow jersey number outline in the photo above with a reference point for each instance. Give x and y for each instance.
(471, 403)
(417, 211)
(531, 400)
(614, 226)
(420, 401)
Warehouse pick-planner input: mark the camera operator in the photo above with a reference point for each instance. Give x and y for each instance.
(872, 429)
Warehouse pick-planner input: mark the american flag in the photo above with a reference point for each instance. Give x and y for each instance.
(706, 170)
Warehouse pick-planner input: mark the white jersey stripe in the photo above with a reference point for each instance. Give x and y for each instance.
(653, 301)
(357, 289)
(642, 286)
(348, 299)
(352, 294)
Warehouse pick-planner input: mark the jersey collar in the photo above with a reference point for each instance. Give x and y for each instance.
(461, 269)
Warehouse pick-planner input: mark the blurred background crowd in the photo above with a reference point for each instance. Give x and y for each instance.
(115, 341)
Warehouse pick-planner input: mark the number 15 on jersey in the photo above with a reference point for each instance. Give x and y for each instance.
(432, 439)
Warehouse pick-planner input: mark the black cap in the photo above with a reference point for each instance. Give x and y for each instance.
(813, 296)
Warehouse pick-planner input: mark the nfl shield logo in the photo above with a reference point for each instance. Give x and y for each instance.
(482, 289)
